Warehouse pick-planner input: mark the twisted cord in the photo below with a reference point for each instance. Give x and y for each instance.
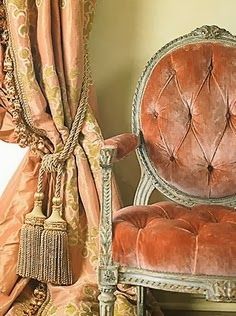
(56, 161)
(72, 140)
(59, 180)
(40, 180)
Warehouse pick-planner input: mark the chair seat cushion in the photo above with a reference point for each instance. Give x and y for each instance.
(167, 237)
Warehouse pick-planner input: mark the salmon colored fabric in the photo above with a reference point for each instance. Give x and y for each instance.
(47, 41)
(167, 237)
(123, 143)
(188, 123)
(188, 119)
(7, 128)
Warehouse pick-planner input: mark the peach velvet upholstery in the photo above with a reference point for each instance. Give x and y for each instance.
(124, 144)
(167, 237)
(188, 119)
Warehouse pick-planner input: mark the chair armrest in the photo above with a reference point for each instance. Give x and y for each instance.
(107, 156)
(123, 144)
(114, 148)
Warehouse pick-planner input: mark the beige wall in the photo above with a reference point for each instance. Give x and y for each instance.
(126, 34)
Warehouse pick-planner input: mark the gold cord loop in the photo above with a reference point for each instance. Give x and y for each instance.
(54, 162)
(50, 162)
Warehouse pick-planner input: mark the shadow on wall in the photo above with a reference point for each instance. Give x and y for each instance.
(113, 46)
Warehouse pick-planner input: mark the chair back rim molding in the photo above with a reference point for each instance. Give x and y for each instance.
(150, 179)
(110, 273)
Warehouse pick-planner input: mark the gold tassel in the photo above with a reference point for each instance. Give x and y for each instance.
(55, 267)
(30, 240)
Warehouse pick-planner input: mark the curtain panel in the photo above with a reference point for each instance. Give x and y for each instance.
(43, 65)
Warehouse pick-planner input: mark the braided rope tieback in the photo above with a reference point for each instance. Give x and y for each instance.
(50, 162)
(51, 238)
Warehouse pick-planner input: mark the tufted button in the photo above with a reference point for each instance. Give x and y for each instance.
(228, 115)
(172, 72)
(172, 158)
(155, 114)
(210, 67)
(190, 116)
(210, 168)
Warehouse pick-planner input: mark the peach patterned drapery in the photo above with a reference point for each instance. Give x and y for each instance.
(43, 44)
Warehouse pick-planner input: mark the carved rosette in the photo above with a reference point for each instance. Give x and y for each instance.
(25, 135)
(108, 275)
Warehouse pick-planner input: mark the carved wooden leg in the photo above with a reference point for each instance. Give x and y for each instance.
(107, 300)
(141, 309)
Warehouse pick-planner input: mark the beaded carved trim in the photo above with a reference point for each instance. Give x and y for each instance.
(26, 134)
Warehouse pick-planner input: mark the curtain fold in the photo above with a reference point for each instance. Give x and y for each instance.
(42, 56)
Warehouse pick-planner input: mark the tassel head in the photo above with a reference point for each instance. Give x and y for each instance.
(55, 268)
(30, 240)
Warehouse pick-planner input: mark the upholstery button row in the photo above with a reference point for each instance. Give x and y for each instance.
(209, 167)
(155, 115)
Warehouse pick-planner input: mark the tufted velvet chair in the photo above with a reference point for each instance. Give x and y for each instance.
(184, 130)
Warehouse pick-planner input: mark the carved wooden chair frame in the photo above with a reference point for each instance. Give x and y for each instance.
(221, 289)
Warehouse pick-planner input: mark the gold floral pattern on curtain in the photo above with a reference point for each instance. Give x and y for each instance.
(42, 53)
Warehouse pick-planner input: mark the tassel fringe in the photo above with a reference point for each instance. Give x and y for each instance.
(30, 241)
(44, 251)
(55, 267)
